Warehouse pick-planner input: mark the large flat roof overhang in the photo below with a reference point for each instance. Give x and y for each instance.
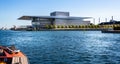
(51, 17)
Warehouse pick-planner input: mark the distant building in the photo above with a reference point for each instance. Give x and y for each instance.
(110, 23)
(56, 18)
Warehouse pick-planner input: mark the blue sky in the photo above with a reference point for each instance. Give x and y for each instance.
(10, 10)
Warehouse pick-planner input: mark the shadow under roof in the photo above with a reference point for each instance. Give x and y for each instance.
(51, 17)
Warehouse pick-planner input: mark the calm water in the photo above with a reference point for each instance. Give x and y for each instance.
(65, 47)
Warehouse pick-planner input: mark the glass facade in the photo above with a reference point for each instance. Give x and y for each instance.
(40, 22)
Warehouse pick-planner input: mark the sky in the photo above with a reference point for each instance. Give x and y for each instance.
(11, 10)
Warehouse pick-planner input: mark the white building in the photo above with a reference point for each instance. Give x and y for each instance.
(56, 18)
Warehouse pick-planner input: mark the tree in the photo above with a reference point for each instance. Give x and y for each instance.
(58, 26)
(47, 26)
(66, 26)
(62, 26)
(79, 26)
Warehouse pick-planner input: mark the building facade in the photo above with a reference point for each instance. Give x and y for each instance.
(56, 18)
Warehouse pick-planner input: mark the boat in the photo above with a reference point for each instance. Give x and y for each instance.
(112, 30)
(11, 55)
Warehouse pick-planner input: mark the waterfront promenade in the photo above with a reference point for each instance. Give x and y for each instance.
(68, 28)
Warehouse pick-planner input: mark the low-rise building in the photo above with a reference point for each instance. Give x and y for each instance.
(111, 22)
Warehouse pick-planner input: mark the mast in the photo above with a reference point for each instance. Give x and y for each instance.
(112, 18)
(99, 19)
(93, 20)
(105, 19)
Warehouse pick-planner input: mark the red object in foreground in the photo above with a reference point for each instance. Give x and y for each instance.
(10, 55)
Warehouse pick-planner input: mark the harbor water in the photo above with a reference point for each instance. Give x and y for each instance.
(65, 47)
